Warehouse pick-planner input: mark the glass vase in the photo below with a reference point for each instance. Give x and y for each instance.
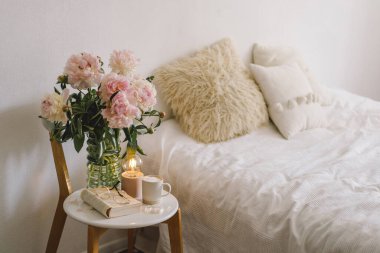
(103, 164)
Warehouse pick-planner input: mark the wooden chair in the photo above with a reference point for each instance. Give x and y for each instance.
(94, 233)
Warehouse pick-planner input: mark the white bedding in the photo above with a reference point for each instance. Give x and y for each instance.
(317, 192)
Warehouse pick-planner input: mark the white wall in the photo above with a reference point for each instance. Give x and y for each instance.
(339, 38)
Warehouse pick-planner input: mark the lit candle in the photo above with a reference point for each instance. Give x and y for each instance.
(132, 185)
(131, 178)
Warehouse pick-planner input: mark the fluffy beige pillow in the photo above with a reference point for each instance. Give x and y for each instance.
(212, 95)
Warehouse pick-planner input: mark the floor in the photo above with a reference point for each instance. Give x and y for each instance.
(146, 241)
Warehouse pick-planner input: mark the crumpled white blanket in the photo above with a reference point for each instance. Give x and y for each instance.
(317, 192)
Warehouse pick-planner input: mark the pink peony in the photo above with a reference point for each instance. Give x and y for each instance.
(111, 83)
(123, 62)
(120, 113)
(53, 105)
(83, 71)
(145, 94)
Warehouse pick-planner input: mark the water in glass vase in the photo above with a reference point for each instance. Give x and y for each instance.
(103, 162)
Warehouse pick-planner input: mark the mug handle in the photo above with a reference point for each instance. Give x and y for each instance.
(169, 187)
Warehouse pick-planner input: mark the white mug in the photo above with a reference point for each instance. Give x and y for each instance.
(152, 186)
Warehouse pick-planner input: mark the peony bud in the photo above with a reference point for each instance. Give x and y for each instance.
(62, 79)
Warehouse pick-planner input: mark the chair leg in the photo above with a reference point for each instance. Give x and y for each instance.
(175, 232)
(131, 240)
(57, 227)
(93, 237)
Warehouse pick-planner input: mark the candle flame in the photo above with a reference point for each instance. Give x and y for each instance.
(132, 164)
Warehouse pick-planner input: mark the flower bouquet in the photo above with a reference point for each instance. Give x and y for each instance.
(88, 104)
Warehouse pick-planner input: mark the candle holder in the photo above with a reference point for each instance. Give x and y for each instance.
(131, 178)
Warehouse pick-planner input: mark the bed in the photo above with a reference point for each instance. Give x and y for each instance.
(317, 192)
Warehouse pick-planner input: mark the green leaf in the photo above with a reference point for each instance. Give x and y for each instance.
(68, 114)
(79, 125)
(139, 149)
(110, 136)
(99, 132)
(99, 122)
(100, 149)
(78, 142)
(133, 142)
(141, 127)
(158, 123)
(131, 136)
(67, 134)
(89, 127)
(127, 134)
(97, 114)
(56, 91)
(117, 133)
(153, 112)
(150, 78)
(73, 127)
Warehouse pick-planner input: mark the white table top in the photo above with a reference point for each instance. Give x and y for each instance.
(147, 216)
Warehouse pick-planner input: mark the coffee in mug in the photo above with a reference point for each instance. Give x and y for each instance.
(152, 186)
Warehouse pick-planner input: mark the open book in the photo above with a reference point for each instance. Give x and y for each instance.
(109, 202)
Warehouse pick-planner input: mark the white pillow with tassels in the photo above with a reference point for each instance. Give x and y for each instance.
(292, 104)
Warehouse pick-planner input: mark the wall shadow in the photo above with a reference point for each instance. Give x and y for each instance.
(28, 180)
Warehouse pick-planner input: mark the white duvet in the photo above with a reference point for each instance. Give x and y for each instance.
(318, 192)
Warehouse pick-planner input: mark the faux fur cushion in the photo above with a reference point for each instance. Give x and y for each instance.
(212, 95)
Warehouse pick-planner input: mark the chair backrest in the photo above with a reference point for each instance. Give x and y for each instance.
(61, 169)
(64, 191)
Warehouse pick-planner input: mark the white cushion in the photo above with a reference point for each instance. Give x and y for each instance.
(274, 56)
(292, 104)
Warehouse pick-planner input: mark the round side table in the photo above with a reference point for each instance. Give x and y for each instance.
(167, 211)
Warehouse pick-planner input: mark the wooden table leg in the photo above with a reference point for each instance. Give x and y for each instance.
(93, 237)
(175, 232)
(131, 240)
